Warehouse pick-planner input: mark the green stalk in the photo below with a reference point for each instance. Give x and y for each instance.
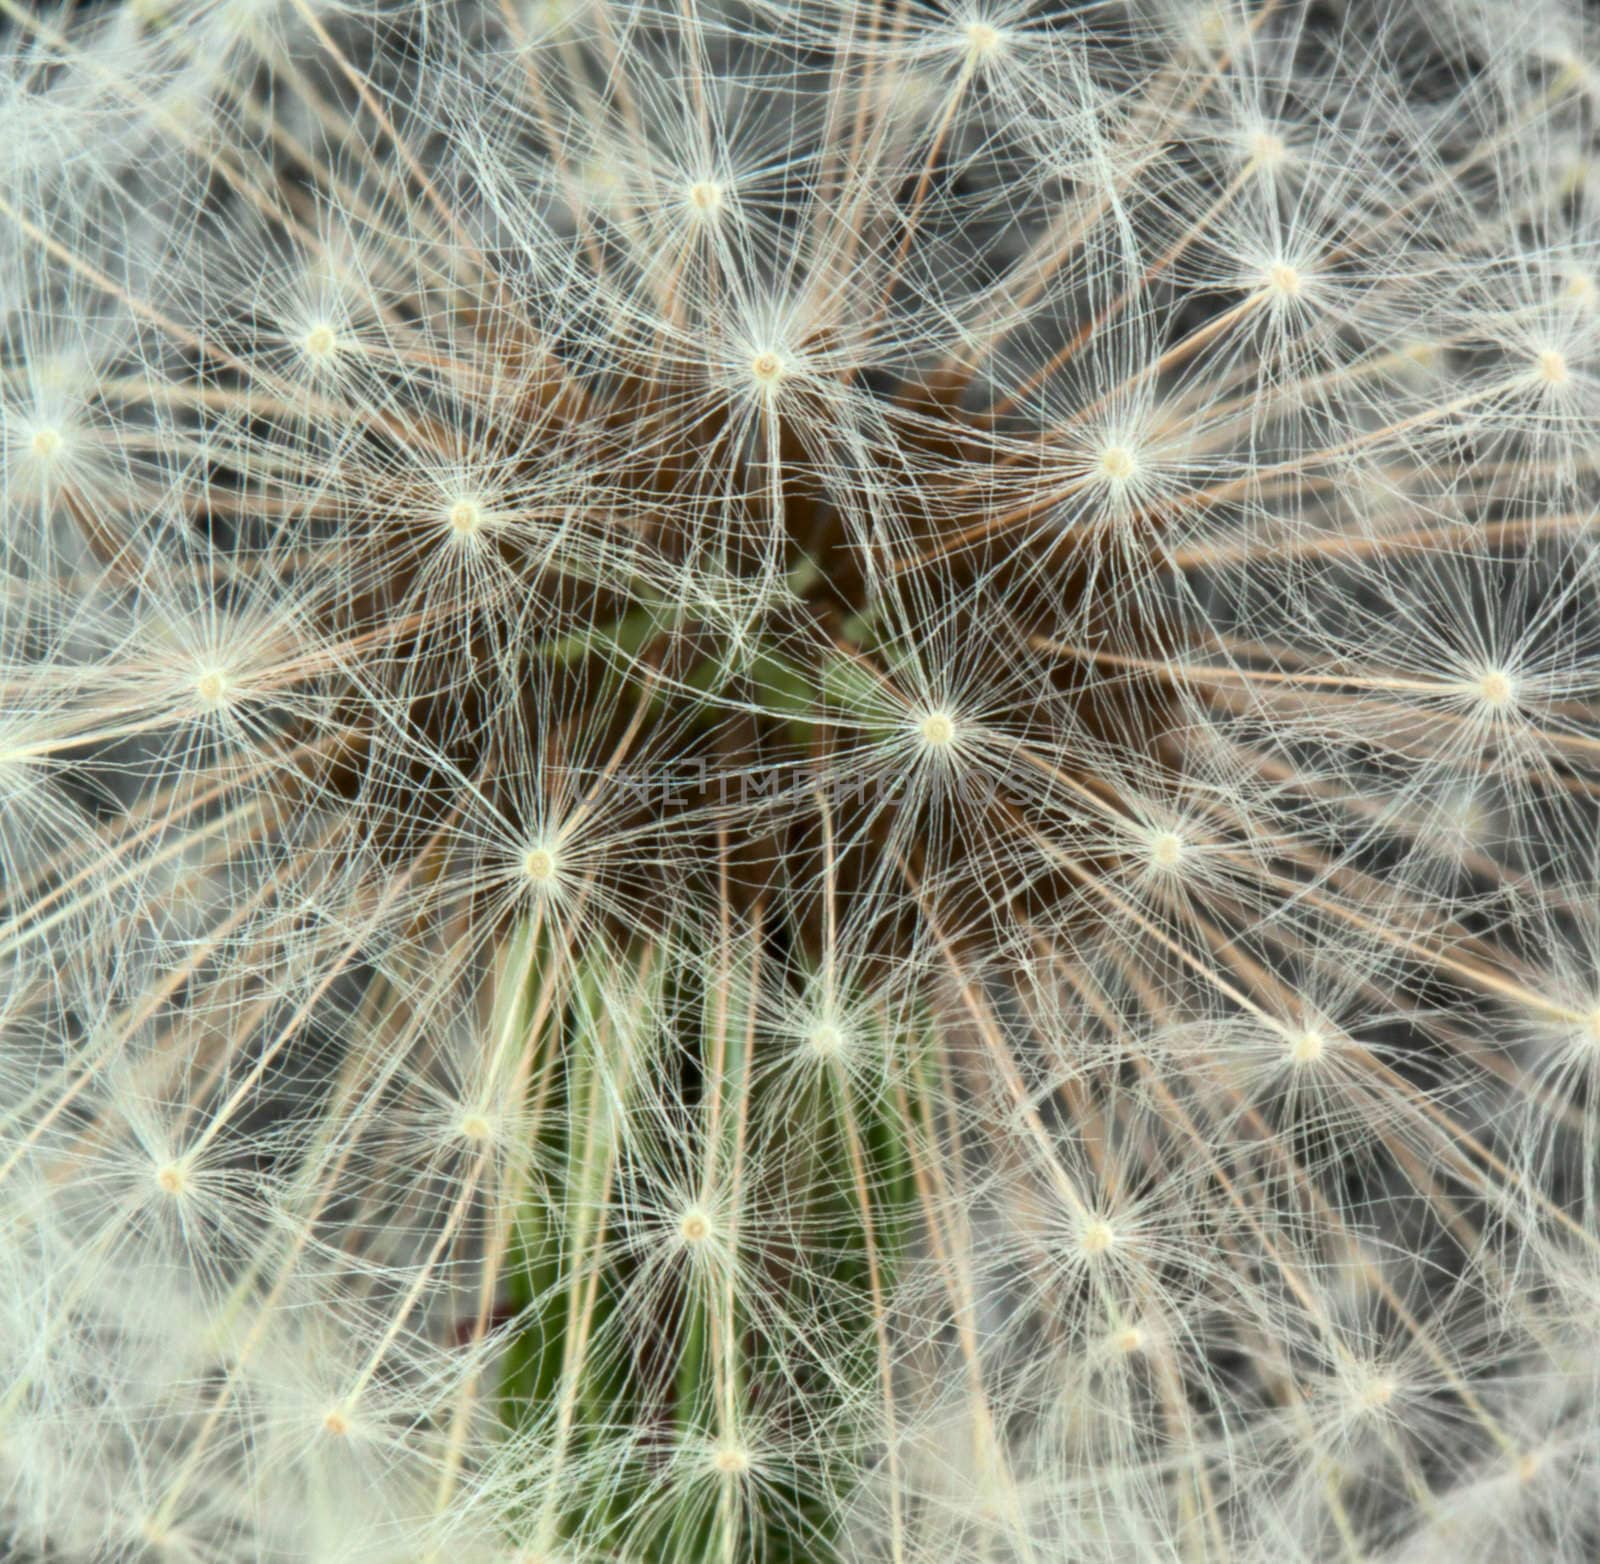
(845, 1152)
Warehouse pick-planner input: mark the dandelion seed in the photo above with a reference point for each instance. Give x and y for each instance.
(1377, 1391)
(466, 518)
(1118, 463)
(320, 343)
(984, 41)
(826, 1041)
(1580, 286)
(1550, 367)
(937, 730)
(1214, 26)
(1496, 689)
(1307, 1047)
(1096, 1237)
(731, 1460)
(1266, 150)
(706, 199)
(46, 443)
(1573, 72)
(768, 370)
(172, 1179)
(540, 866)
(694, 1226)
(1284, 281)
(213, 687)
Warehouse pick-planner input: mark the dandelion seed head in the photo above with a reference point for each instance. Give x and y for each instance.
(442, 463)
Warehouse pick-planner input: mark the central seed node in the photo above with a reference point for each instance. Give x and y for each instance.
(539, 865)
(466, 518)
